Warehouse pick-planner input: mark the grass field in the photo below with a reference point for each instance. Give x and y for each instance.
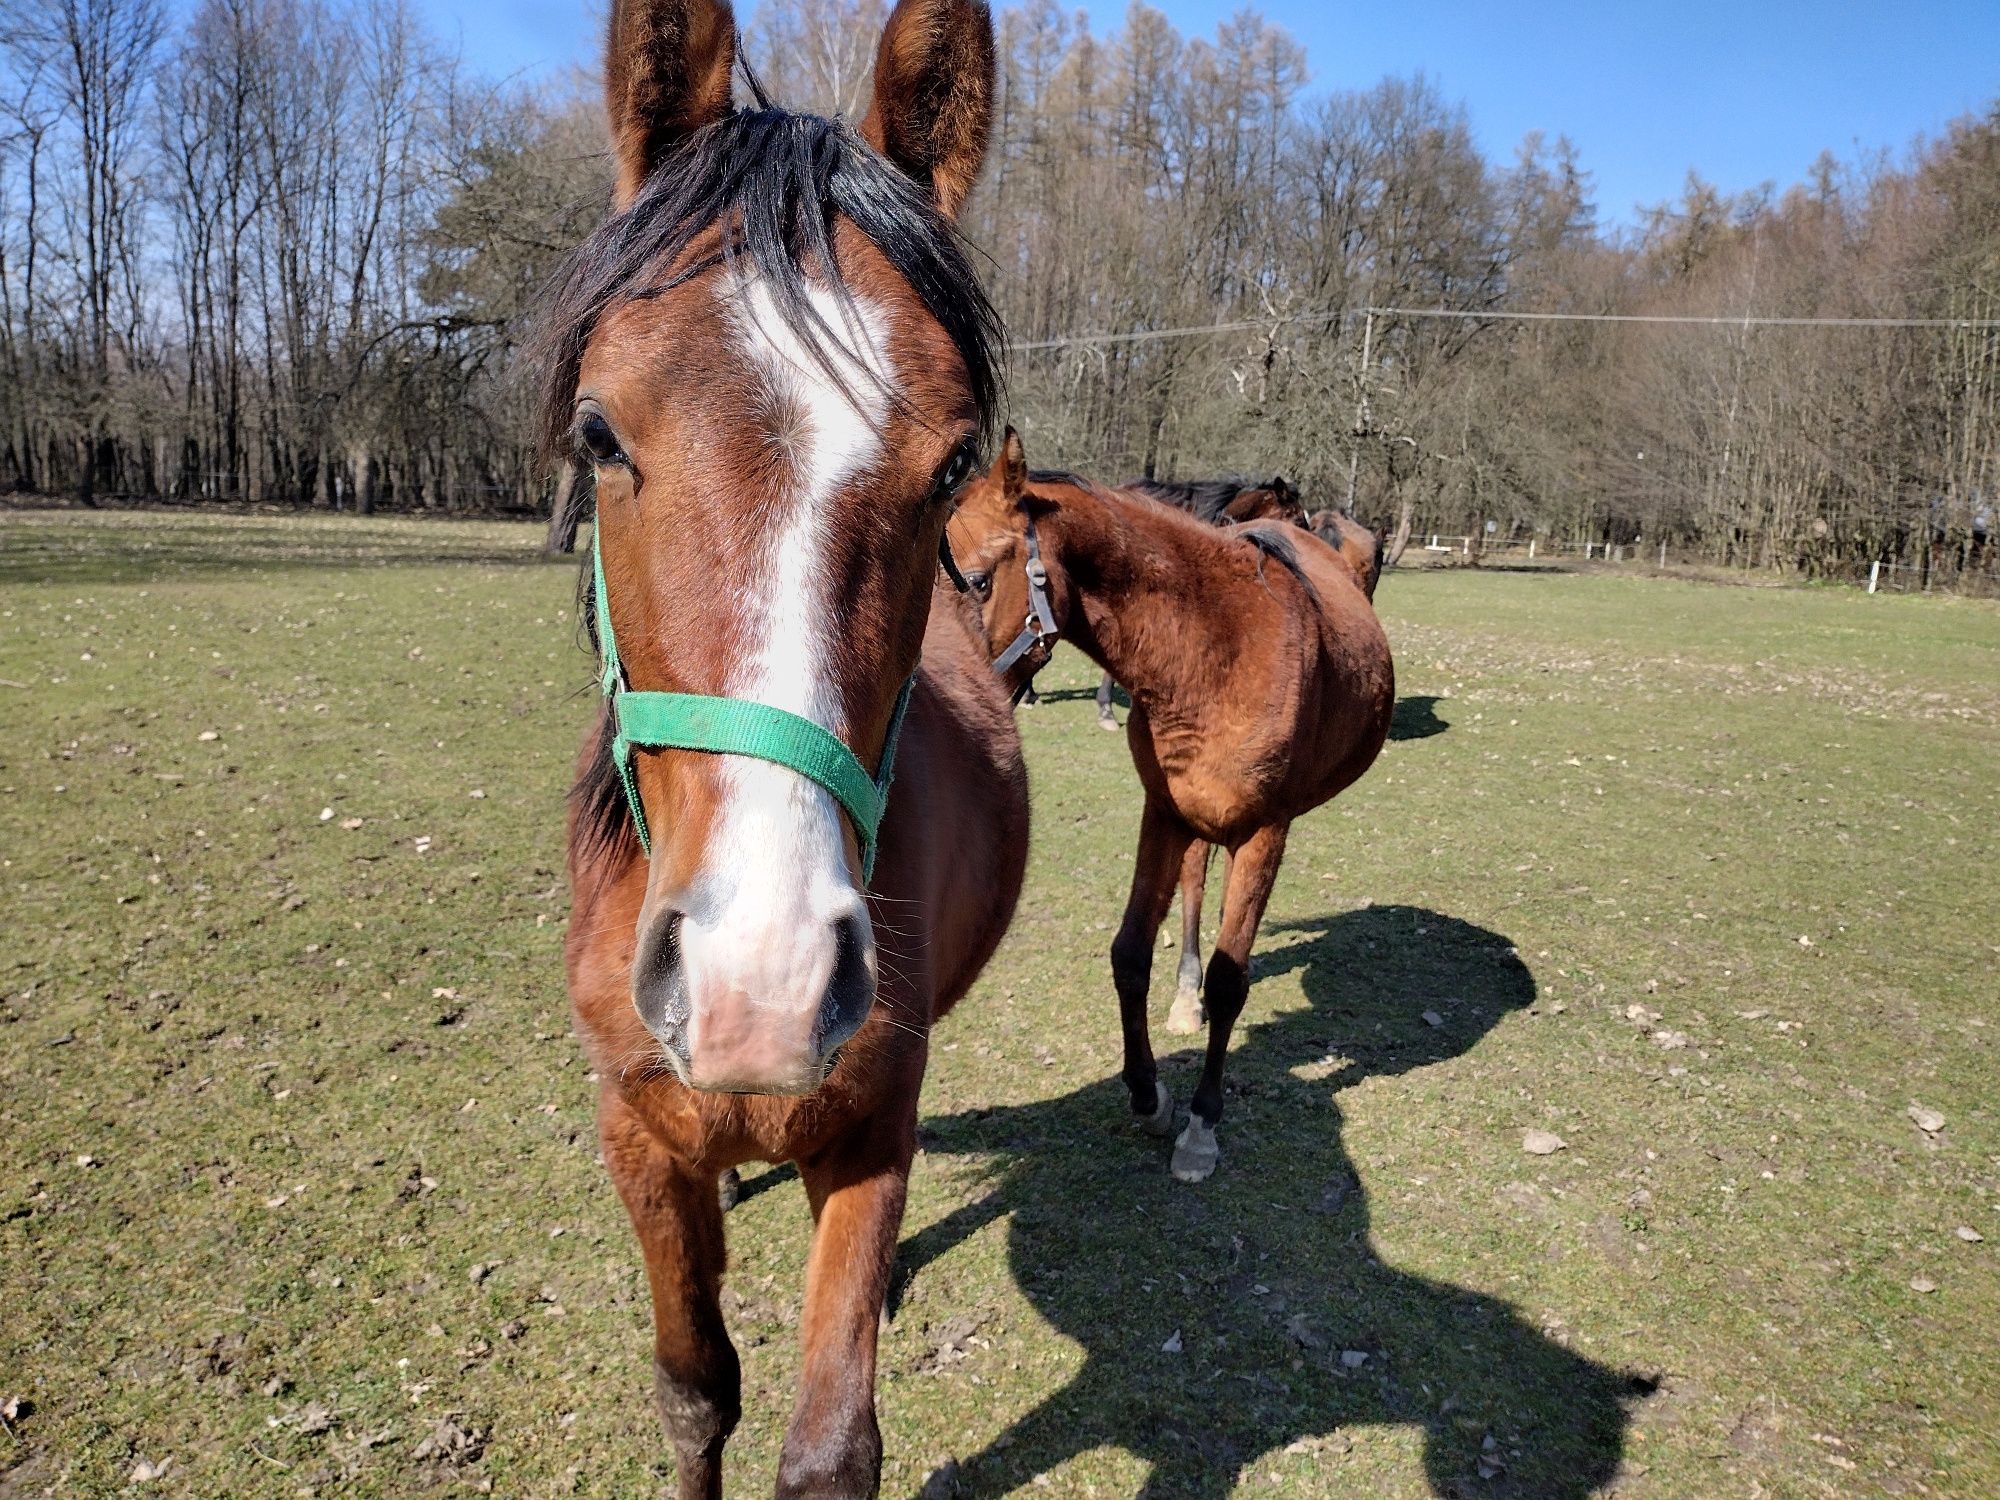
(300, 1191)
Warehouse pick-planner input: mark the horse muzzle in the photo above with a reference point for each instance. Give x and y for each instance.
(747, 1010)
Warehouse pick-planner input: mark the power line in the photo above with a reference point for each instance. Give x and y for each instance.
(1149, 335)
(1735, 322)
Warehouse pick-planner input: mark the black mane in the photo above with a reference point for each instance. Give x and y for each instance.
(1269, 538)
(1205, 499)
(775, 183)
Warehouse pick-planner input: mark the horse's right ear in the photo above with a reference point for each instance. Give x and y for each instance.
(667, 73)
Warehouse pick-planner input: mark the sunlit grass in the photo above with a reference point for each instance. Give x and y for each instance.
(1696, 878)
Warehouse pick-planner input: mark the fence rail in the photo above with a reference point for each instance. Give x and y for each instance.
(1942, 574)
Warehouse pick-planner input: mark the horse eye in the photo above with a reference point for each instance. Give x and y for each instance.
(980, 583)
(595, 437)
(957, 469)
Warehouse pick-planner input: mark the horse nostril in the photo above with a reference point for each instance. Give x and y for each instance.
(851, 991)
(660, 992)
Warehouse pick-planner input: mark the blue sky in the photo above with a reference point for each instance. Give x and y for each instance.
(1746, 92)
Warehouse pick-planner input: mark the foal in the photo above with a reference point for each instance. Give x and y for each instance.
(777, 361)
(1222, 502)
(1261, 685)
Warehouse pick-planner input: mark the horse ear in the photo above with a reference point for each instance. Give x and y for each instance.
(933, 104)
(667, 66)
(1013, 466)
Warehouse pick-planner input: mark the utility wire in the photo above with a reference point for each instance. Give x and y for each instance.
(1150, 335)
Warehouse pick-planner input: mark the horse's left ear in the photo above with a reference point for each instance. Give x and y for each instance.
(933, 104)
(667, 66)
(1013, 466)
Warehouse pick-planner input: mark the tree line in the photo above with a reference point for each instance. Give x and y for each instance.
(288, 250)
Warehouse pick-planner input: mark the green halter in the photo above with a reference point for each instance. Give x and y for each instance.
(735, 726)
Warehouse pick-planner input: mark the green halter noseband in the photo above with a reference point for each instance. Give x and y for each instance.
(736, 726)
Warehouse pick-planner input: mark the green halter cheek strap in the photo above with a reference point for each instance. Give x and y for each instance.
(735, 726)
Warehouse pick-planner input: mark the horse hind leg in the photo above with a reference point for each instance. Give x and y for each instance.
(1163, 840)
(1106, 719)
(1186, 1017)
(1252, 872)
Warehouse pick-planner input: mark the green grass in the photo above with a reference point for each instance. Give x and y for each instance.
(322, 1072)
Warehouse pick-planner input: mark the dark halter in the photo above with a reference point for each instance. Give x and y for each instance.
(1039, 630)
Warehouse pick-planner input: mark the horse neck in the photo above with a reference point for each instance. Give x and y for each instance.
(1142, 605)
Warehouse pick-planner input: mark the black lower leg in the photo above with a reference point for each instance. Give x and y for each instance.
(1227, 985)
(1131, 975)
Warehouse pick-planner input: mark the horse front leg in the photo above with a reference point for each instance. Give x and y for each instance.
(833, 1448)
(1106, 719)
(697, 1383)
(1186, 1017)
(1253, 870)
(1163, 840)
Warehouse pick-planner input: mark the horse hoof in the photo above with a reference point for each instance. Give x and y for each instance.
(1196, 1153)
(1108, 723)
(729, 1189)
(1161, 1121)
(1186, 1018)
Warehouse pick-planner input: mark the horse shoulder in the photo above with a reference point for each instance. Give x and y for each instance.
(955, 837)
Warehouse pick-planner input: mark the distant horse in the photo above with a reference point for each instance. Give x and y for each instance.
(1221, 501)
(776, 361)
(1360, 548)
(1261, 686)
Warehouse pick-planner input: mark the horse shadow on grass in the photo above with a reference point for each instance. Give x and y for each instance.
(1416, 719)
(1250, 1319)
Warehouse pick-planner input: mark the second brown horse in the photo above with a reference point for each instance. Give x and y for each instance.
(1261, 686)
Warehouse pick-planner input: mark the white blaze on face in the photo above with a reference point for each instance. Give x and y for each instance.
(775, 878)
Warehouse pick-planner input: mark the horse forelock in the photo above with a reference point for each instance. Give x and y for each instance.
(770, 185)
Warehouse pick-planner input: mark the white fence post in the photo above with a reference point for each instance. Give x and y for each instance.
(1874, 574)
(1465, 546)
(1663, 554)
(1531, 549)
(1586, 551)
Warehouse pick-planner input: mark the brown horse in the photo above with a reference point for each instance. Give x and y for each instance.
(777, 361)
(1261, 686)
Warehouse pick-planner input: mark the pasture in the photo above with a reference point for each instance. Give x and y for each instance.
(300, 1191)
